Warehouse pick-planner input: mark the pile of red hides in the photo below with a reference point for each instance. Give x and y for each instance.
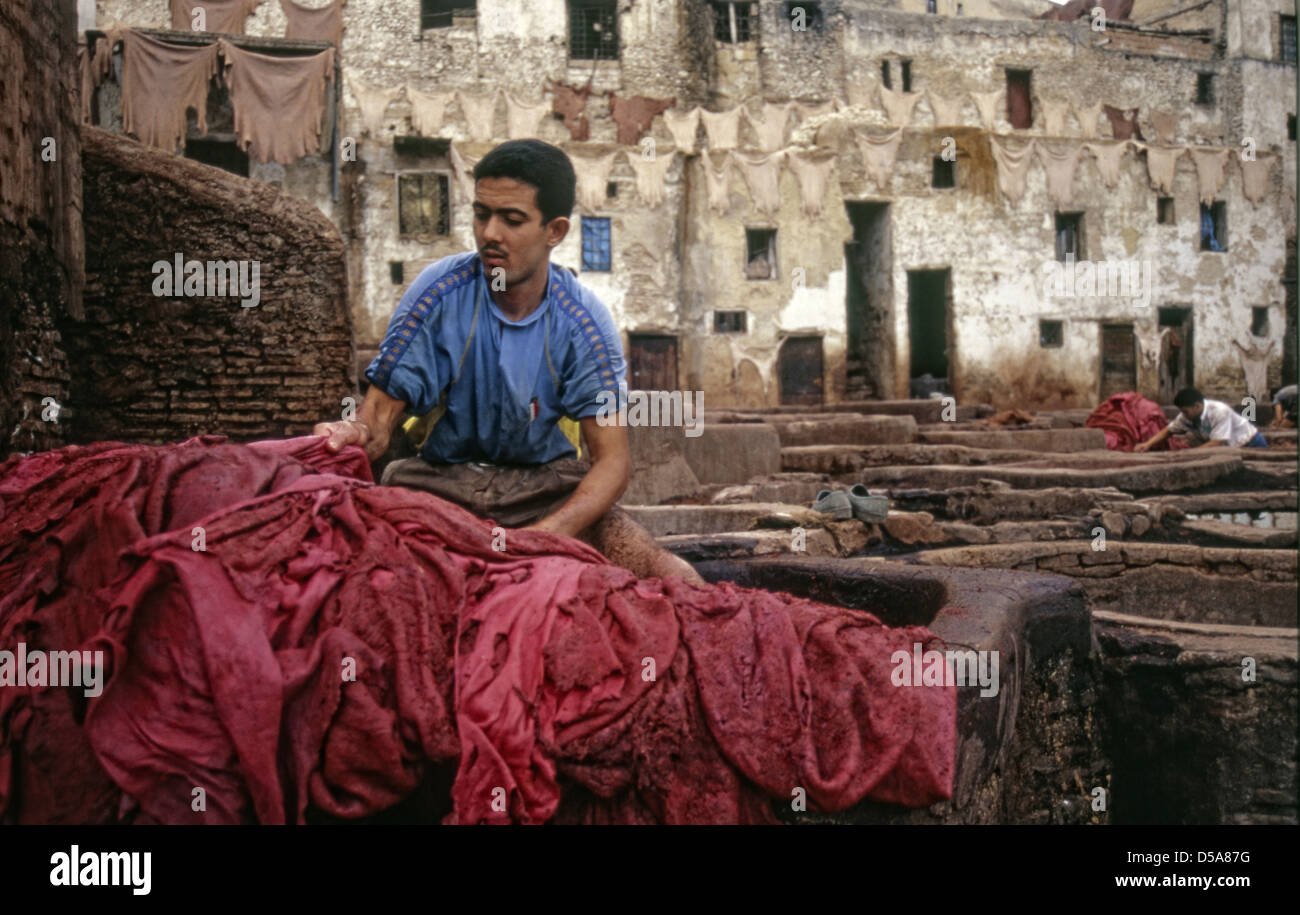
(1130, 419)
(333, 640)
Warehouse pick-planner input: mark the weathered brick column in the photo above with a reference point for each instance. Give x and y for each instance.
(151, 368)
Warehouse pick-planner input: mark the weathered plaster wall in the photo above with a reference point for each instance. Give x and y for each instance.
(739, 369)
(516, 46)
(811, 66)
(1253, 29)
(642, 288)
(673, 266)
(972, 9)
(1167, 11)
(996, 252)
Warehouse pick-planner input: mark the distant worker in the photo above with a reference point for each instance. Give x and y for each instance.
(1284, 407)
(1212, 422)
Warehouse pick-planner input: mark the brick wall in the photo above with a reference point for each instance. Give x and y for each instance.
(1161, 45)
(152, 368)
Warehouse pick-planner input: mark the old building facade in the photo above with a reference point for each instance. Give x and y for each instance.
(868, 247)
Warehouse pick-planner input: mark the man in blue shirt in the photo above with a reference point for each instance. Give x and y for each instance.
(497, 347)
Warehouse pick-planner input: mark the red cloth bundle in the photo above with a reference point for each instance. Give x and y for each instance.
(334, 639)
(1129, 419)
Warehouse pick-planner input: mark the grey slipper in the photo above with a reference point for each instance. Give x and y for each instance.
(866, 507)
(836, 504)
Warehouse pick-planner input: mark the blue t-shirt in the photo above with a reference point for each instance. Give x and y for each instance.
(518, 378)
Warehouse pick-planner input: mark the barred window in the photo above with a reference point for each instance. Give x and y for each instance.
(734, 22)
(593, 30)
(595, 243)
(1288, 38)
(422, 204)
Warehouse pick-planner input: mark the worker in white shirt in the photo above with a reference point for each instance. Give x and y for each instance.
(1211, 421)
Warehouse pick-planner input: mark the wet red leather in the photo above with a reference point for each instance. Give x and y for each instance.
(337, 638)
(1129, 419)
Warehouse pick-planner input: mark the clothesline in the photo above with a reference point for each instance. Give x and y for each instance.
(478, 112)
(1060, 161)
(279, 106)
(811, 167)
(279, 102)
(769, 123)
(761, 174)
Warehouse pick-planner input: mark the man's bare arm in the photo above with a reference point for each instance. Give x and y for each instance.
(372, 428)
(1152, 441)
(611, 469)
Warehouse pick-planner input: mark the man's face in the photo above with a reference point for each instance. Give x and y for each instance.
(508, 229)
(1193, 412)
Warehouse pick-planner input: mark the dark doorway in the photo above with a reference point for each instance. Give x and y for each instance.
(1069, 237)
(1118, 359)
(928, 309)
(651, 362)
(869, 297)
(1176, 370)
(1019, 108)
(800, 369)
(223, 154)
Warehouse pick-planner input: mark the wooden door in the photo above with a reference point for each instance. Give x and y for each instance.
(799, 368)
(651, 362)
(1176, 347)
(1118, 359)
(1020, 112)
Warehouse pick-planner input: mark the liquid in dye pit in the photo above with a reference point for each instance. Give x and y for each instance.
(1278, 520)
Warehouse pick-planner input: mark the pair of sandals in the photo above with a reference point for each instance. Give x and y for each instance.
(855, 503)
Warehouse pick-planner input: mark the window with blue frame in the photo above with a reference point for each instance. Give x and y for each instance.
(1214, 227)
(595, 243)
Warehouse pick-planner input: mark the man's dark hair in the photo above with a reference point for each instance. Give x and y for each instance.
(1188, 397)
(542, 165)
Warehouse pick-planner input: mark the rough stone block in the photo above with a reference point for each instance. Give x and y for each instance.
(844, 430)
(659, 467)
(734, 453)
(913, 528)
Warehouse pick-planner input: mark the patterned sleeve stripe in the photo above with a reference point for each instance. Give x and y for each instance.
(598, 350)
(396, 344)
